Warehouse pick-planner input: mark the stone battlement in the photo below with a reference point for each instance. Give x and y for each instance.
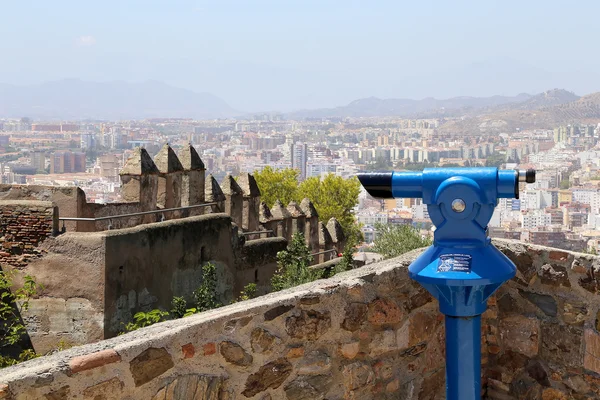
(363, 334)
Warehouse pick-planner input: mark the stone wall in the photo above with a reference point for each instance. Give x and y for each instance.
(542, 328)
(363, 334)
(95, 282)
(23, 226)
(368, 333)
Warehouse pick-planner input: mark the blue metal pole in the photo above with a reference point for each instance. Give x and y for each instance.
(463, 358)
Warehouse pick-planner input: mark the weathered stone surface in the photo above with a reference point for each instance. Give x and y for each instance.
(308, 388)
(350, 350)
(553, 394)
(139, 163)
(309, 325)
(314, 363)
(545, 302)
(107, 390)
(574, 313)
(356, 314)
(384, 311)
(270, 375)
(261, 340)
(4, 391)
(63, 393)
(149, 364)
(418, 328)
(561, 344)
(554, 275)
(539, 372)
(192, 387)
(521, 334)
(357, 375)
(591, 359)
(235, 354)
(433, 386)
(276, 312)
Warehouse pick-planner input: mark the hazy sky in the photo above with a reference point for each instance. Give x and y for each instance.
(290, 54)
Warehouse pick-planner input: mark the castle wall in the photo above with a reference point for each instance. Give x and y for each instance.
(70, 308)
(147, 265)
(364, 334)
(258, 263)
(69, 200)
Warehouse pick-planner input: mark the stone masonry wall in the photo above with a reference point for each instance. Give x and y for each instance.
(541, 331)
(367, 333)
(363, 334)
(23, 226)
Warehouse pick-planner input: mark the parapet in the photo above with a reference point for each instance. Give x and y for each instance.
(189, 158)
(369, 333)
(166, 160)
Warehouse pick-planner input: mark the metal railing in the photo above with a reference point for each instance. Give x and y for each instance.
(135, 214)
(256, 233)
(324, 252)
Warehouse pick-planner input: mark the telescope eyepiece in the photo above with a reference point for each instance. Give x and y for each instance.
(527, 176)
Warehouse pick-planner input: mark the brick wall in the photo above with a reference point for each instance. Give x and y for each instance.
(23, 226)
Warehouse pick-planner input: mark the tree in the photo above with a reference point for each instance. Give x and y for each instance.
(293, 265)
(277, 184)
(206, 295)
(564, 184)
(334, 196)
(394, 240)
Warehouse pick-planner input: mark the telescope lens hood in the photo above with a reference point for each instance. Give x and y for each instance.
(377, 184)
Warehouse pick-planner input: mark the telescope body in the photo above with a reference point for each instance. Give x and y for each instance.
(462, 269)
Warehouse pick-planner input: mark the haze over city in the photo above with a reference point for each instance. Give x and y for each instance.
(271, 55)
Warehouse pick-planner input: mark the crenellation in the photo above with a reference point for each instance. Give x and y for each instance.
(169, 180)
(311, 228)
(251, 202)
(298, 217)
(139, 182)
(214, 194)
(325, 245)
(337, 234)
(284, 220)
(193, 179)
(233, 199)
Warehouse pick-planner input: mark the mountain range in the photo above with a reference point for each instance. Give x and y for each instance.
(76, 99)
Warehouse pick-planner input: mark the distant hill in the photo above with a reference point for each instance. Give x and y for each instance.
(428, 107)
(546, 110)
(76, 99)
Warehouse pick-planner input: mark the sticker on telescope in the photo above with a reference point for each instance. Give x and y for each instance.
(454, 263)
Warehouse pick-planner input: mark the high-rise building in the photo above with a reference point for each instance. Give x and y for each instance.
(38, 160)
(64, 162)
(299, 153)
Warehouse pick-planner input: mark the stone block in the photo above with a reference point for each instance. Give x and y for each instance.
(357, 375)
(107, 390)
(270, 375)
(561, 344)
(261, 340)
(384, 311)
(309, 325)
(150, 364)
(93, 360)
(591, 359)
(235, 354)
(314, 363)
(192, 386)
(521, 334)
(356, 314)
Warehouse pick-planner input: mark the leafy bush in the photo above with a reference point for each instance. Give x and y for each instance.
(394, 240)
(206, 295)
(12, 304)
(143, 319)
(293, 265)
(249, 292)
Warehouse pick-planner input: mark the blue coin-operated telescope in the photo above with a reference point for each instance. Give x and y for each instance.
(462, 268)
